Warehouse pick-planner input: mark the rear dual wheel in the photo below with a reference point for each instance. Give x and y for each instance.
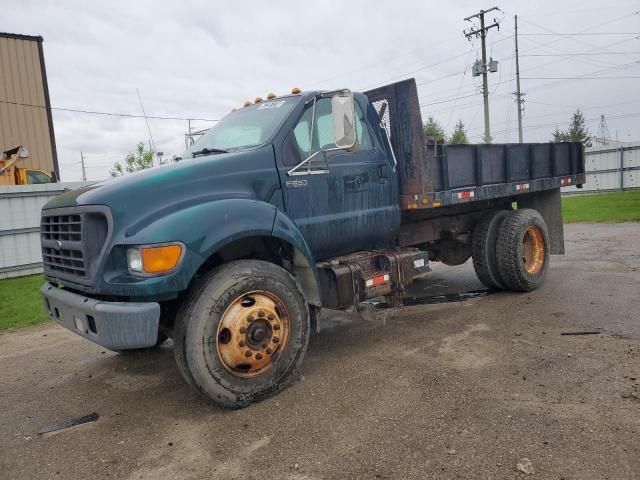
(522, 250)
(242, 334)
(511, 250)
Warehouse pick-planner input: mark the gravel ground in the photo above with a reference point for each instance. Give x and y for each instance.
(463, 389)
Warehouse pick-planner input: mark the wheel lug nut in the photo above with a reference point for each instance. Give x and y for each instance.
(243, 330)
(271, 317)
(275, 339)
(269, 351)
(261, 313)
(276, 326)
(242, 343)
(258, 356)
(247, 353)
(249, 319)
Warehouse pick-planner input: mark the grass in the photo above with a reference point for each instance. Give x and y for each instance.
(602, 208)
(20, 303)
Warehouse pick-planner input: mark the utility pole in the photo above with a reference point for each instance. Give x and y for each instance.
(519, 94)
(84, 172)
(493, 66)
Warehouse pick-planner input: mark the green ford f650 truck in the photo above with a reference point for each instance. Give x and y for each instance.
(309, 200)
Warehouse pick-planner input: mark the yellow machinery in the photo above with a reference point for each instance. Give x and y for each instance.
(10, 174)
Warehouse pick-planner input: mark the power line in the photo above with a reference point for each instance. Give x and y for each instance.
(544, 125)
(580, 34)
(577, 54)
(573, 12)
(580, 78)
(582, 42)
(111, 114)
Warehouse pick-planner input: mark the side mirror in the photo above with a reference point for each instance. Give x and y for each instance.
(342, 109)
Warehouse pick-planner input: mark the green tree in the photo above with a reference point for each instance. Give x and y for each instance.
(559, 135)
(434, 130)
(133, 162)
(459, 135)
(577, 132)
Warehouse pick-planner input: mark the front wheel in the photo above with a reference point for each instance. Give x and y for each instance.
(241, 335)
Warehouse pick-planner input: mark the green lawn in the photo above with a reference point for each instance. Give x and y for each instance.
(602, 208)
(20, 303)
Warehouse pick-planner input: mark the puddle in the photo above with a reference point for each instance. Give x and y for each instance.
(433, 299)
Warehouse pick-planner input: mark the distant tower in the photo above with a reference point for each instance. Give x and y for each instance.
(603, 137)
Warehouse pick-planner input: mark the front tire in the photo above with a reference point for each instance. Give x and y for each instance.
(242, 334)
(523, 250)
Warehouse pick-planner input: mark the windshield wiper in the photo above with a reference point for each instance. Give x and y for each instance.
(207, 151)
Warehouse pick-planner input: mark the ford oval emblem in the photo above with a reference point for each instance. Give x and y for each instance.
(58, 244)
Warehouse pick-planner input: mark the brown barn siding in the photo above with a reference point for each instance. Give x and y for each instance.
(23, 81)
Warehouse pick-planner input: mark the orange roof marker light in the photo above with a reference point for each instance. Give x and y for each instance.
(258, 100)
(295, 90)
(271, 95)
(247, 103)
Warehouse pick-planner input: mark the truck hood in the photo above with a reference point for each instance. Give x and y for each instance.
(245, 174)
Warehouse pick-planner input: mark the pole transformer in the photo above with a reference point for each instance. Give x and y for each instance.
(484, 68)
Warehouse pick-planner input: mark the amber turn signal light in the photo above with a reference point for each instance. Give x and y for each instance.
(160, 259)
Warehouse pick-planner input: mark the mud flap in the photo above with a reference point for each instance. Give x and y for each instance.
(548, 204)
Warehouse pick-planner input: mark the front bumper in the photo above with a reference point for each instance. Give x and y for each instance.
(113, 325)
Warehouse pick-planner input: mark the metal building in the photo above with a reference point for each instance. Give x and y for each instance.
(25, 109)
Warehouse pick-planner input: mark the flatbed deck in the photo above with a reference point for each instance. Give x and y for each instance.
(435, 175)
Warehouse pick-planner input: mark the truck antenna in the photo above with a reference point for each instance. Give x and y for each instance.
(153, 144)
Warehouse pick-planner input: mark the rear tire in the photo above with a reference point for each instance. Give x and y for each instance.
(484, 249)
(241, 335)
(523, 250)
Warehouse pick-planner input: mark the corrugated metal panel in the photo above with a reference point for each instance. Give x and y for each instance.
(21, 81)
(20, 226)
(603, 169)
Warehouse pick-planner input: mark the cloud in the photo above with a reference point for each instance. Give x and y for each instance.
(200, 59)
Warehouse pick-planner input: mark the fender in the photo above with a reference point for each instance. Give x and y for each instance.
(206, 228)
(303, 260)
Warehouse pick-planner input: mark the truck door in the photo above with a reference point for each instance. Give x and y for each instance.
(349, 203)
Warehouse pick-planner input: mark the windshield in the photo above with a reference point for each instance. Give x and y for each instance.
(246, 127)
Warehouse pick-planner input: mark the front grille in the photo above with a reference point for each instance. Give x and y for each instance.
(72, 240)
(67, 228)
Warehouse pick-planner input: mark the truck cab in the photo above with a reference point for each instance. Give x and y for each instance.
(319, 199)
(11, 174)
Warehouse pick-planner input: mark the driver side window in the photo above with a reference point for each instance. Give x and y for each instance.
(322, 137)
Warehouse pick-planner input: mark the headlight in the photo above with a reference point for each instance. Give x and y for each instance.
(134, 260)
(154, 259)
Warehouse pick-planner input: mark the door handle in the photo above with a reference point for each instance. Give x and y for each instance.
(383, 173)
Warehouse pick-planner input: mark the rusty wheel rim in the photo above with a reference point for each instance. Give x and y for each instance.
(252, 332)
(533, 249)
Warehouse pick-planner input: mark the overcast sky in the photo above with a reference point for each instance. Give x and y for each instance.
(199, 59)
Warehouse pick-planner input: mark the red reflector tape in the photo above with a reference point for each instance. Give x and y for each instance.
(522, 186)
(565, 181)
(380, 279)
(465, 195)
